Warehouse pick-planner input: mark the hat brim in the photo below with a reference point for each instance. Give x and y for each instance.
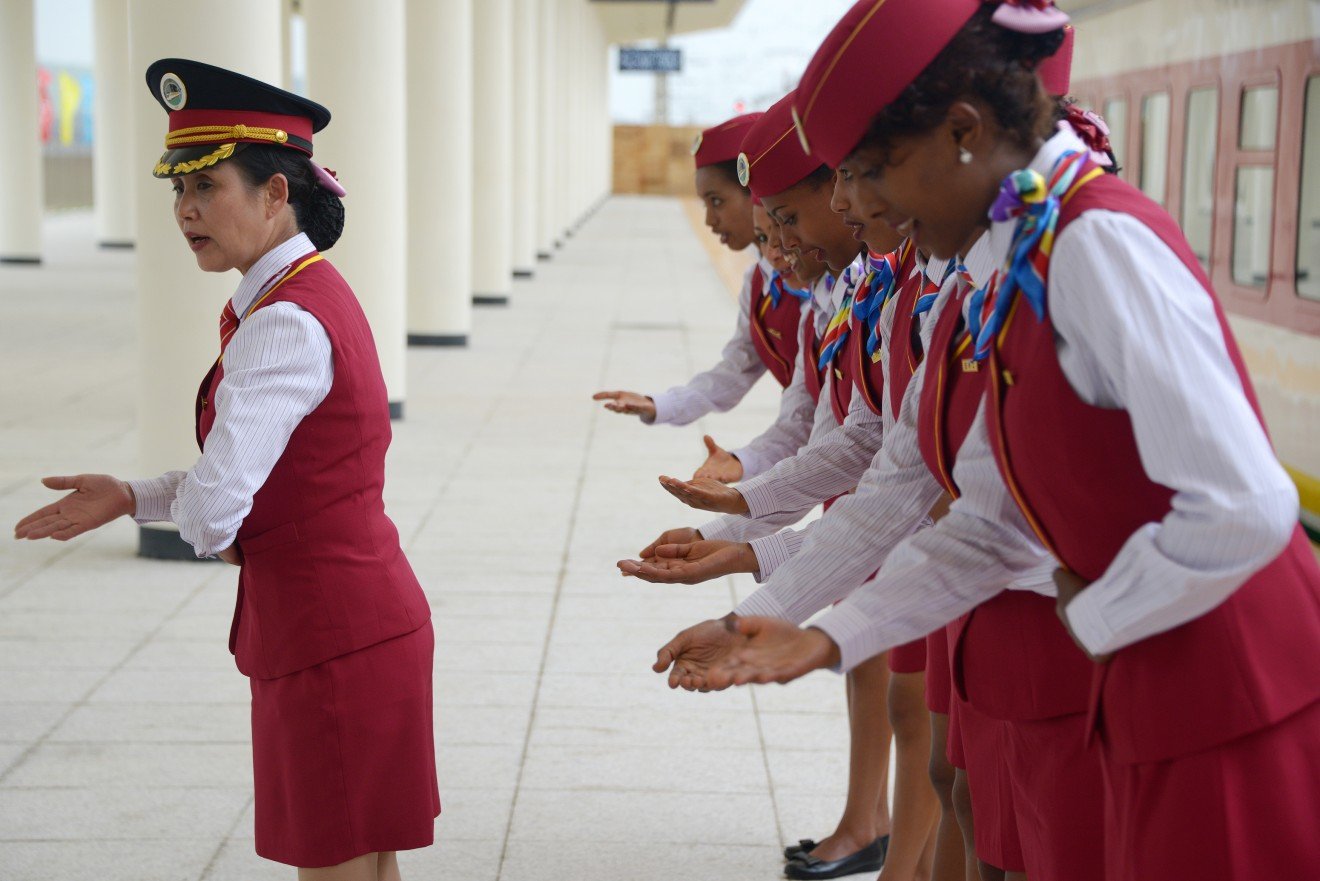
(187, 160)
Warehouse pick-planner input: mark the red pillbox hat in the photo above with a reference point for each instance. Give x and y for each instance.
(723, 142)
(772, 160)
(1055, 72)
(875, 51)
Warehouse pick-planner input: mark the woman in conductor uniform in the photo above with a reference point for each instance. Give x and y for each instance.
(331, 625)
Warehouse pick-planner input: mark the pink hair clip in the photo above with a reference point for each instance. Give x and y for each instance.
(328, 179)
(1091, 128)
(1029, 16)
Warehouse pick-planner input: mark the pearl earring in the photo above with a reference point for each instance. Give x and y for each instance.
(964, 156)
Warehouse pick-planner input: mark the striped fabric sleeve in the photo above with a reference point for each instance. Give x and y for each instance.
(278, 368)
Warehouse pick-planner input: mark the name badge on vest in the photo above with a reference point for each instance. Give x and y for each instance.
(838, 373)
(876, 356)
(971, 365)
(774, 333)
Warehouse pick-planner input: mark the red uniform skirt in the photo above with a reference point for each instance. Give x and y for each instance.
(909, 657)
(1245, 810)
(982, 742)
(344, 755)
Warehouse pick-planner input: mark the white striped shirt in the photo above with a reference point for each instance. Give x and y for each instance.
(792, 426)
(721, 387)
(834, 458)
(1135, 331)
(278, 368)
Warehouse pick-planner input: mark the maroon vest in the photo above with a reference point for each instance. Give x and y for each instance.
(323, 573)
(1012, 658)
(1076, 473)
(841, 373)
(774, 328)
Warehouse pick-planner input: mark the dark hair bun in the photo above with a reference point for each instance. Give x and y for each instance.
(321, 216)
(317, 211)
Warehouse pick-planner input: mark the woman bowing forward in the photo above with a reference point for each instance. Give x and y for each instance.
(331, 625)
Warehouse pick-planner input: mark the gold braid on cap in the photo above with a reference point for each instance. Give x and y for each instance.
(182, 137)
(164, 169)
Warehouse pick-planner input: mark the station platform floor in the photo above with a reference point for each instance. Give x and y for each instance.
(124, 743)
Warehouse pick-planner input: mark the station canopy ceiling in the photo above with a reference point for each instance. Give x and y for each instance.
(628, 21)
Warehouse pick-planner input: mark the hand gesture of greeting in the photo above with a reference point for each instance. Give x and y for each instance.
(95, 501)
(772, 650)
(690, 655)
(692, 563)
(628, 403)
(720, 464)
(705, 494)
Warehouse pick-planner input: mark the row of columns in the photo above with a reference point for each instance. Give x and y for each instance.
(472, 137)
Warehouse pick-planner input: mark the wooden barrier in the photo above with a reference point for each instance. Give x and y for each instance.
(653, 160)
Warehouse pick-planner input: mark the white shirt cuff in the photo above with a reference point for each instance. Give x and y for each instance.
(664, 408)
(717, 529)
(154, 496)
(853, 633)
(1088, 623)
(751, 460)
(760, 500)
(771, 552)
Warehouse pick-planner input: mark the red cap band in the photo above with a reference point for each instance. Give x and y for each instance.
(196, 128)
(723, 142)
(772, 159)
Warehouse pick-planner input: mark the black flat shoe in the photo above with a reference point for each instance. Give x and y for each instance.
(869, 859)
(801, 849)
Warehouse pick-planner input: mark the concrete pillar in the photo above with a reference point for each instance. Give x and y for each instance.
(364, 143)
(527, 122)
(178, 304)
(563, 132)
(492, 166)
(440, 190)
(21, 197)
(547, 232)
(114, 165)
(288, 9)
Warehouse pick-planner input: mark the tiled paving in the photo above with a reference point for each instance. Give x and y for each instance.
(123, 723)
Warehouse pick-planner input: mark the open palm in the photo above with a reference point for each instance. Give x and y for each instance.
(95, 501)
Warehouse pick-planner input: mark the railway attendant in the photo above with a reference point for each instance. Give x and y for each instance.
(1119, 430)
(331, 626)
(764, 338)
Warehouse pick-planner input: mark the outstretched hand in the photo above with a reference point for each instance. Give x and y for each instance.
(628, 403)
(692, 563)
(690, 655)
(705, 494)
(682, 535)
(773, 650)
(95, 501)
(720, 464)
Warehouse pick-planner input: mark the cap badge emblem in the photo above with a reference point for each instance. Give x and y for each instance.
(696, 144)
(744, 169)
(172, 92)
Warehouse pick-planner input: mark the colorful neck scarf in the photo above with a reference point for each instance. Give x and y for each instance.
(837, 331)
(778, 287)
(879, 287)
(1036, 203)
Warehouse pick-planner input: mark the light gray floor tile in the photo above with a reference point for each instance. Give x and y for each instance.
(174, 859)
(533, 861)
(151, 765)
(156, 722)
(618, 817)
(74, 814)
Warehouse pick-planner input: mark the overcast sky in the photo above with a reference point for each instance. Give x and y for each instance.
(754, 61)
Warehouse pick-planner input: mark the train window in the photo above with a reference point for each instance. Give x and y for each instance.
(1154, 144)
(1116, 118)
(1308, 225)
(1260, 117)
(1253, 218)
(1198, 188)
